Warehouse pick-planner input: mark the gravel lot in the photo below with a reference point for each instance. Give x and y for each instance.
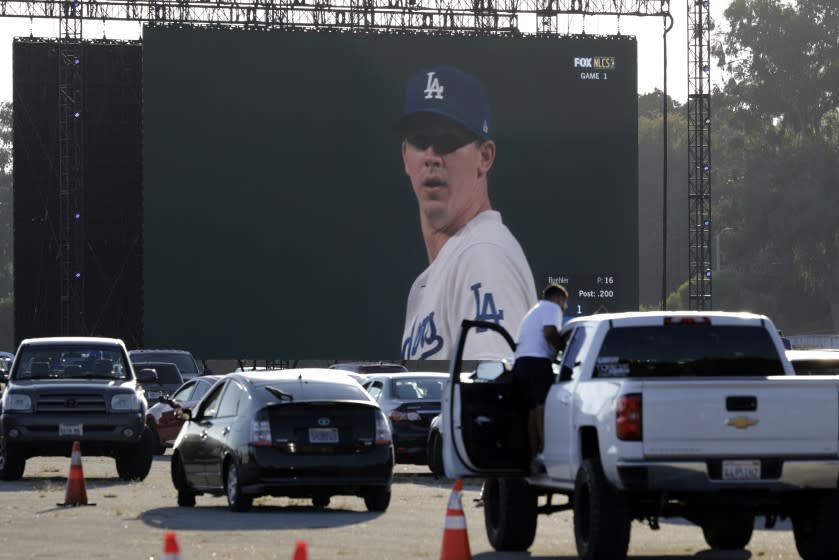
(129, 521)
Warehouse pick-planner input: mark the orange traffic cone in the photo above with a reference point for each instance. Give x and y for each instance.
(455, 539)
(76, 495)
(300, 552)
(171, 550)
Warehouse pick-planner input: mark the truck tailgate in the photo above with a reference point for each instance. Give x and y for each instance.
(783, 415)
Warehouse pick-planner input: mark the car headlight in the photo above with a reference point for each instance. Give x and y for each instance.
(17, 402)
(125, 402)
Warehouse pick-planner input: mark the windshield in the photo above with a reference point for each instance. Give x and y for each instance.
(185, 362)
(70, 362)
(695, 350)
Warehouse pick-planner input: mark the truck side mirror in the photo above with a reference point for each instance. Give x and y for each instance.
(147, 375)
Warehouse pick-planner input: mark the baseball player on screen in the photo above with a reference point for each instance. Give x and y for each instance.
(477, 269)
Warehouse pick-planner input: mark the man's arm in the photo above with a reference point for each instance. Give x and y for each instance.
(552, 336)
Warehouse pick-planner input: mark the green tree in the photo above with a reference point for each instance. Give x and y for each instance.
(777, 156)
(6, 247)
(650, 199)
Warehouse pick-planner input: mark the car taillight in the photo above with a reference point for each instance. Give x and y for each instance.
(383, 436)
(260, 430)
(628, 418)
(397, 415)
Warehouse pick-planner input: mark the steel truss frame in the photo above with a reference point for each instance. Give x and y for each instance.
(699, 155)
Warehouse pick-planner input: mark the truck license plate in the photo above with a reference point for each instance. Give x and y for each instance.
(71, 429)
(741, 470)
(323, 435)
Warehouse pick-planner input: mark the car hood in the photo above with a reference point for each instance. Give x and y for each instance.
(52, 384)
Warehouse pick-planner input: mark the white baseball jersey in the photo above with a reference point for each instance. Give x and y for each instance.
(481, 273)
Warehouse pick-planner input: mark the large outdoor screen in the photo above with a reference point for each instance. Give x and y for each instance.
(278, 218)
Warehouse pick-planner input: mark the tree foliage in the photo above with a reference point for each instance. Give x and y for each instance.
(777, 156)
(6, 271)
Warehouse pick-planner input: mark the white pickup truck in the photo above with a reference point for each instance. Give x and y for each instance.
(654, 415)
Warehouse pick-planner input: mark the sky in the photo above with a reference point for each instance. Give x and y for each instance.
(647, 30)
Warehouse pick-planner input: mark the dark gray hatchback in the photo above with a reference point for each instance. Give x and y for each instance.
(302, 433)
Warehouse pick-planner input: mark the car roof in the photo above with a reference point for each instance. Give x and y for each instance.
(641, 318)
(321, 375)
(171, 351)
(410, 375)
(159, 363)
(72, 340)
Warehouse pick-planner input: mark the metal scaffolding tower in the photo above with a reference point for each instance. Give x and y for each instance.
(699, 154)
(70, 169)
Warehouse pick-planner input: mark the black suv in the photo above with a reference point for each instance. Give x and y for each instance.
(66, 389)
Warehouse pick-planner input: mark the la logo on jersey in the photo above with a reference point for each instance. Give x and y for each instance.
(433, 89)
(485, 309)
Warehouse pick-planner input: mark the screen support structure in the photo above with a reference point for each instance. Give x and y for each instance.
(480, 17)
(71, 240)
(699, 155)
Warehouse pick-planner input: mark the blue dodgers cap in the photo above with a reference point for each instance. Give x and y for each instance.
(449, 92)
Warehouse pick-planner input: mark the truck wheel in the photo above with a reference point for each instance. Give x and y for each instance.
(186, 496)
(236, 501)
(435, 454)
(12, 463)
(602, 520)
(377, 499)
(134, 463)
(729, 531)
(509, 513)
(814, 528)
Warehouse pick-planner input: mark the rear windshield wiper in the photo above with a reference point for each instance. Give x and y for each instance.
(282, 395)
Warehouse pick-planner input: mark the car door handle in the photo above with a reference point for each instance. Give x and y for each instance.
(204, 434)
(225, 431)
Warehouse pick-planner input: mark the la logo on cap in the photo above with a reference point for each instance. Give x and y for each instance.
(433, 89)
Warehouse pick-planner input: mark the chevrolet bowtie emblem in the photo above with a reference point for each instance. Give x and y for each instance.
(741, 422)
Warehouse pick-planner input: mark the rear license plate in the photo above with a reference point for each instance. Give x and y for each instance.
(741, 470)
(71, 429)
(323, 435)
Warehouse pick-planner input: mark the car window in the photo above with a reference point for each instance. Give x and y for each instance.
(816, 367)
(320, 391)
(209, 406)
(375, 390)
(692, 350)
(184, 393)
(233, 395)
(185, 362)
(69, 362)
(571, 354)
(201, 388)
(168, 374)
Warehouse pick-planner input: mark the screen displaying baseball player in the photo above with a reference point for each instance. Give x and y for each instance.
(476, 267)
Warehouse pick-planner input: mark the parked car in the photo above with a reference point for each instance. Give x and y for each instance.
(814, 362)
(167, 379)
(302, 433)
(410, 401)
(360, 370)
(66, 389)
(162, 419)
(184, 359)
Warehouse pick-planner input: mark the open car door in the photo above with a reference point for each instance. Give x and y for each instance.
(484, 416)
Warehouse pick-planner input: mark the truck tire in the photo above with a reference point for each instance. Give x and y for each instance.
(12, 463)
(602, 520)
(186, 496)
(731, 531)
(814, 528)
(134, 463)
(509, 513)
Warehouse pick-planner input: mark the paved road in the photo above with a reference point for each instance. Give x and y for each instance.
(129, 520)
